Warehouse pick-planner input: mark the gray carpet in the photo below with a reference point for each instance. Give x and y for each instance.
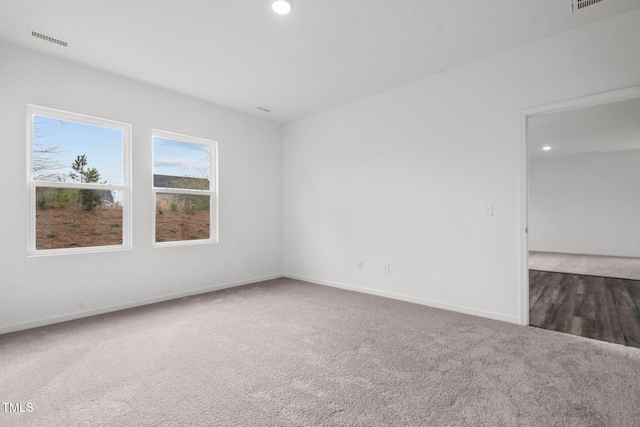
(287, 353)
(590, 265)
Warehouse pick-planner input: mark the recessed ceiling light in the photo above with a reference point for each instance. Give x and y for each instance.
(282, 7)
(547, 148)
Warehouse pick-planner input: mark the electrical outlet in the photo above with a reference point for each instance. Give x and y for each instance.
(487, 209)
(226, 263)
(360, 265)
(385, 268)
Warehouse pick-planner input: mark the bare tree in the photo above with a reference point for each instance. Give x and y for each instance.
(46, 164)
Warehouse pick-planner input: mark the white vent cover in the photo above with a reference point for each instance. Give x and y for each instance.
(576, 5)
(49, 38)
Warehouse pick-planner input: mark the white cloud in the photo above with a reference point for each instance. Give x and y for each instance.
(179, 146)
(180, 163)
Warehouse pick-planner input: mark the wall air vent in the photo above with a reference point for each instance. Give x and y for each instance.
(576, 5)
(48, 38)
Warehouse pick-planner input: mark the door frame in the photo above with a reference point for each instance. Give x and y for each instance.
(571, 104)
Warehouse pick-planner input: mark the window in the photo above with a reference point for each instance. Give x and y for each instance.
(78, 169)
(184, 187)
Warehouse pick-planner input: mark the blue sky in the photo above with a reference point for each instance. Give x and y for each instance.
(179, 158)
(102, 146)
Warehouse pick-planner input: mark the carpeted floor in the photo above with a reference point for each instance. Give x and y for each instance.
(590, 265)
(287, 353)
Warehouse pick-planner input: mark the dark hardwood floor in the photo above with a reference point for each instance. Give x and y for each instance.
(601, 308)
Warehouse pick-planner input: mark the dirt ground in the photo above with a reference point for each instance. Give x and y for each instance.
(70, 228)
(174, 226)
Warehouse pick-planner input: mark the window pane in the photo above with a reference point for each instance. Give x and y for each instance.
(59, 145)
(182, 217)
(70, 218)
(179, 164)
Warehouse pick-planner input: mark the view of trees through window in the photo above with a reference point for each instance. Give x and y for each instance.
(182, 187)
(77, 183)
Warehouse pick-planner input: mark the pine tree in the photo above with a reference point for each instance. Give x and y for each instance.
(89, 199)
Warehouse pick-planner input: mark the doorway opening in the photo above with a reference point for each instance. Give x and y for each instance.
(581, 216)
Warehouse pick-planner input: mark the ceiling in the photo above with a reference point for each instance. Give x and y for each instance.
(325, 53)
(613, 126)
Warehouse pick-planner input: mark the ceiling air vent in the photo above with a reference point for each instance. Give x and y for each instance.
(48, 38)
(576, 5)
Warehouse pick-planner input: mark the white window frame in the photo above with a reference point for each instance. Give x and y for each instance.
(212, 192)
(125, 187)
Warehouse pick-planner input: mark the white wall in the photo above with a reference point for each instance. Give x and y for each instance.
(587, 204)
(39, 290)
(396, 178)
(401, 177)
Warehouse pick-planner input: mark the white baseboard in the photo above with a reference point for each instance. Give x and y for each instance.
(108, 309)
(117, 307)
(429, 303)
